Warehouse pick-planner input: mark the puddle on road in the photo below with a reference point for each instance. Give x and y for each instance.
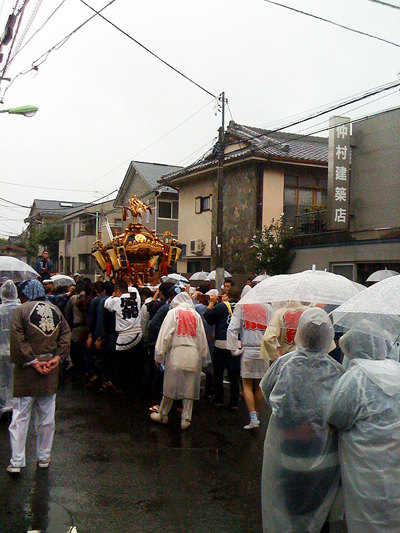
(49, 518)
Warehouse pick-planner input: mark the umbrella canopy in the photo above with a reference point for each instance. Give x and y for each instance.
(199, 276)
(59, 280)
(15, 269)
(379, 275)
(213, 273)
(260, 277)
(176, 278)
(379, 304)
(311, 286)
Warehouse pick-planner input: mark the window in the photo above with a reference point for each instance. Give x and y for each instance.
(68, 232)
(86, 264)
(73, 265)
(203, 203)
(168, 209)
(87, 225)
(302, 192)
(67, 265)
(344, 269)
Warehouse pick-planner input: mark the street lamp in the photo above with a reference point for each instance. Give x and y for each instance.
(26, 110)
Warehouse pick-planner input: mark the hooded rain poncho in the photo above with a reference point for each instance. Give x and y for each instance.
(365, 407)
(182, 347)
(300, 469)
(9, 299)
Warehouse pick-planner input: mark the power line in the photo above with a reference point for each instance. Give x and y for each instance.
(57, 46)
(150, 52)
(13, 203)
(37, 31)
(384, 4)
(331, 22)
(144, 149)
(47, 188)
(367, 94)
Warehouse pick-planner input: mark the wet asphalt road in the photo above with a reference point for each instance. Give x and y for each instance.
(113, 470)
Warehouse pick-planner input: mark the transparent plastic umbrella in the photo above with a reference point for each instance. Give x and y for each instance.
(60, 280)
(379, 275)
(199, 276)
(379, 304)
(176, 278)
(15, 269)
(260, 277)
(310, 286)
(213, 273)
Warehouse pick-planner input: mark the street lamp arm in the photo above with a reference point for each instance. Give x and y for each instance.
(26, 110)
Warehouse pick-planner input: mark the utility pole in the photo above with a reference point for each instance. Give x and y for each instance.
(219, 278)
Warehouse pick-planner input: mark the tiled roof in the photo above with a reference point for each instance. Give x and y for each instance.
(274, 146)
(152, 172)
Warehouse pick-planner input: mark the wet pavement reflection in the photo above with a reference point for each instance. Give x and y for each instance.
(113, 470)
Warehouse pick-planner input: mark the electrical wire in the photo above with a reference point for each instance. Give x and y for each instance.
(150, 52)
(13, 203)
(47, 188)
(352, 109)
(384, 4)
(57, 46)
(24, 33)
(345, 103)
(331, 22)
(37, 31)
(144, 149)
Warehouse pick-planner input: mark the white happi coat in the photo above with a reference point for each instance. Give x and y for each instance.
(182, 348)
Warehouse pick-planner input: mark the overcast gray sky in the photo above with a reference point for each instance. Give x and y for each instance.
(104, 101)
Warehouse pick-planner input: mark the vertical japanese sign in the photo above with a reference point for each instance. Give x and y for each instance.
(338, 173)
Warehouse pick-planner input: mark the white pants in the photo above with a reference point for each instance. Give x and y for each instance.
(166, 404)
(44, 408)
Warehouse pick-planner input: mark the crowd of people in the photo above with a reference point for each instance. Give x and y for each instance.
(332, 430)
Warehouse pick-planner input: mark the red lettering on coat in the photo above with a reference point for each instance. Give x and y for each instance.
(186, 323)
(255, 316)
(291, 321)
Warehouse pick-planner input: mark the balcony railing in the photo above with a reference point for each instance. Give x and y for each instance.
(310, 223)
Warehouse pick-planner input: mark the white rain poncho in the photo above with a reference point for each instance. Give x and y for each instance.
(182, 348)
(249, 321)
(9, 298)
(300, 474)
(365, 407)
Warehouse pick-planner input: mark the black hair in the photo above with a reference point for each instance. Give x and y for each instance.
(146, 292)
(122, 285)
(165, 288)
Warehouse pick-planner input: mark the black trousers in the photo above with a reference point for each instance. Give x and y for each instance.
(223, 359)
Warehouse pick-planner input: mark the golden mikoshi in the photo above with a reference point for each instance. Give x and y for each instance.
(137, 255)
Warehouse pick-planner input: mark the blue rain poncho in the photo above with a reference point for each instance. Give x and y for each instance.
(9, 299)
(365, 407)
(300, 474)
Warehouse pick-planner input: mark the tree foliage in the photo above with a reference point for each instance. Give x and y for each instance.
(48, 236)
(270, 248)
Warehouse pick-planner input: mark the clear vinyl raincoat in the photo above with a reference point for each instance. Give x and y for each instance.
(9, 299)
(365, 407)
(249, 321)
(182, 348)
(300, 474)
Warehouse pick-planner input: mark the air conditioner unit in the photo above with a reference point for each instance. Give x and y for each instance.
(197, 246)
